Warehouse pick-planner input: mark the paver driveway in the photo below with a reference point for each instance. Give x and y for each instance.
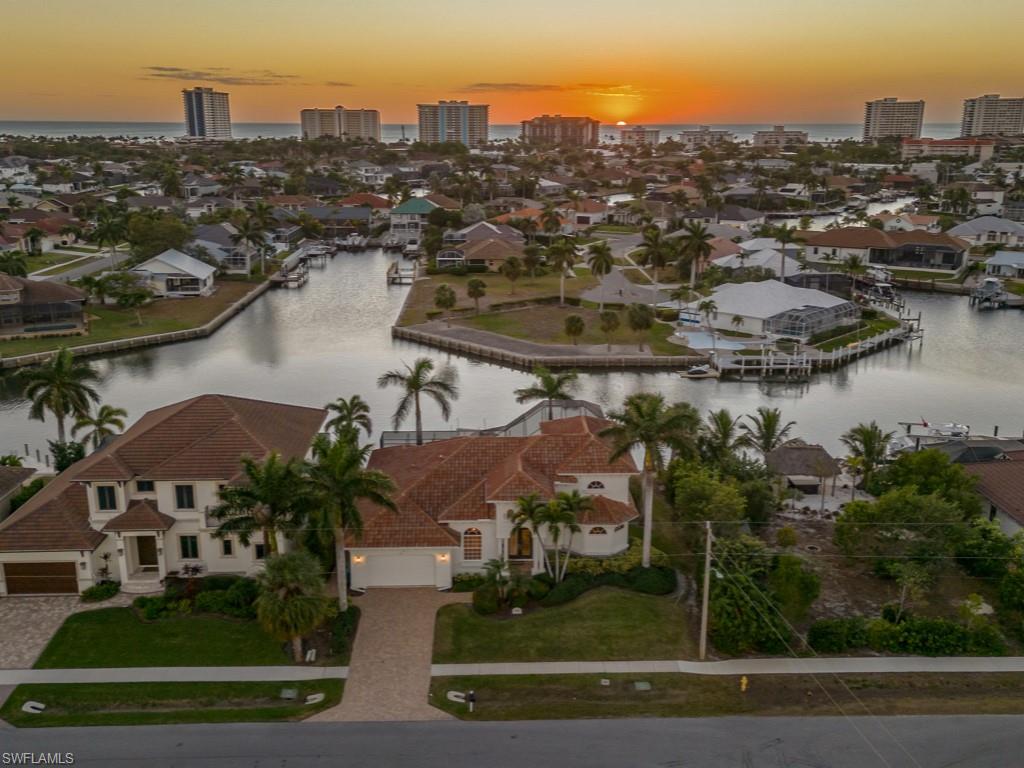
(28, 623)
(389, 675)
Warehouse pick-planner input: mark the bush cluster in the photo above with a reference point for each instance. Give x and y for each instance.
(621, 564)
(914, 635)
(656, 580)
(102, 591)
(343, 631)
(467, 582)
(223, 594)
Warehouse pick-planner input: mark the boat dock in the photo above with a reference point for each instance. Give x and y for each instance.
(991, 294)
(398, 276)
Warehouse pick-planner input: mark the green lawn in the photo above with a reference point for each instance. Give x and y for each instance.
(544, 697)
(604, 624)
(115, 637)
(162, 316)
(871, 328)
(924, 274)
(616, 228)
(162, 703)
(51, 259)
(545, 324)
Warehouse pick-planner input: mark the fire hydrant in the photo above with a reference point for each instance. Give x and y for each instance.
(743, 684)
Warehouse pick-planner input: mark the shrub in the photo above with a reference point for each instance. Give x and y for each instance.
(103, 591)
(985, 550)
(793, 586)
(837, 635)
(985, 640)
(241, 598)
(26, 493)
(485, 599)
(343, 631)
(1011, 590)
(154, 608)
(212, 601)
(538, 588)
(467, 582)
(219, 582)
(568, 590)
(786, 537)
(652, 581)
(621, 563)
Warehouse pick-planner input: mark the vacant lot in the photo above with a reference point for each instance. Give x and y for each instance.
(605, 624)
(533, 697)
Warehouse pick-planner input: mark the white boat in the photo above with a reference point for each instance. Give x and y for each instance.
(699, 372)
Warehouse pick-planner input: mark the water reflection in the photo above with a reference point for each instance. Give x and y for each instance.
(332, 338)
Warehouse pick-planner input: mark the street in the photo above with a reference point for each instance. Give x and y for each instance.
(817, 742)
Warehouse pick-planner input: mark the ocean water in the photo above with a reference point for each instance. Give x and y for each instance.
(391, 132)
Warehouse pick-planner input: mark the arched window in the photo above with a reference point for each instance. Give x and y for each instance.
(472, 544)
(595, 485)
(598, 531)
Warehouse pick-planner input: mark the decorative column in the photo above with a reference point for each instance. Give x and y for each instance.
(122, 560)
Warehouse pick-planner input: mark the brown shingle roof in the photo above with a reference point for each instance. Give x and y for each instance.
(142, 515)
(798, 458)
(869, 237)
(1002, 483)
(490, 249)
(12, 478)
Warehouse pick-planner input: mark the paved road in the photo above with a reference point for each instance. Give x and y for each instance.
(823, 742)
(85, 268)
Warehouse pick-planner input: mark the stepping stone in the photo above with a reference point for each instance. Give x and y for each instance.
(641, 685)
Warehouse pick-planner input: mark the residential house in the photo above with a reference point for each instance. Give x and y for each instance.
(341, 221)
(767, 259)
(916, 249)
(984, 230)
(370, 174)
(454, 498)
(138, 509)
(293, 203)
(807, 468)
(200, 206)
(12, 480)
(380, 206)
(1006, 264)
(218, 241)
(39, 308)
(151, 203)
(486, 254)
(483, 230)
(774, 309)
(409, 219)
(735, 215)
(584, 213)
(905, 222)
(1000, 482)
(197, 185)
(176, 274)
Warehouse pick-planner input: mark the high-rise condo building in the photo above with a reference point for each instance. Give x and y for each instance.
(207, 114)
(990, 114)
(704, 136)
(778, 136)
(457, 121)
(341, 123)
(637, 135)
(889, 118)
(555, 129)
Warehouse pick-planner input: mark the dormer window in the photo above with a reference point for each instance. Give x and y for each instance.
(144, 486)
(106, 498)
(598, 531)
(595, 485)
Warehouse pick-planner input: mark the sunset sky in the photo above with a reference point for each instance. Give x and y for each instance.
(653, 61)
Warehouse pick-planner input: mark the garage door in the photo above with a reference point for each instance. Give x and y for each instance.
(40, 578)
(412, 570)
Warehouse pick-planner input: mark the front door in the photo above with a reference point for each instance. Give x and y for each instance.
(520, 545)
(147, 553)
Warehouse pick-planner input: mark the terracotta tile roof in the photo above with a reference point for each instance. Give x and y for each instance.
(12, 478)
(458, 479)
(216, 429)
(607, 511)
(141, 515)
(869, 237)
(443, 201)
(1002, 483)
(491, 249)
(367, 199)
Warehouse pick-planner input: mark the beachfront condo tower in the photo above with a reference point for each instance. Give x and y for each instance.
(207, 113)
(457, 121)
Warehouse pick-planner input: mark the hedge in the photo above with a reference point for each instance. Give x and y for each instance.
(915, 635)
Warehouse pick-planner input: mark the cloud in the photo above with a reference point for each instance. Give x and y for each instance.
(220, 75)
(339, 84)
(510, 87)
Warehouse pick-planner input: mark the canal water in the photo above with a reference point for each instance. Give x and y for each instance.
(331, 338)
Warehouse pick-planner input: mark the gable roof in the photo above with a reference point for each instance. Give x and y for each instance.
(491, 249)
(173, 261)
(141, 515)
(869, 237)
(1002, 483)
(415, 205)
(797, 458)
(12, 478)
(984, 224)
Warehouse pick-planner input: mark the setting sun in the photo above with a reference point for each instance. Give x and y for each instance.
(621, 122)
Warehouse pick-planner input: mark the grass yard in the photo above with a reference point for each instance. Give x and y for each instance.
(115, 637)
(50, 259)
(603, 624)
(420, 300)
(162, 316)
(545, 324)
(163, 703)
(871, 328)
(536, 697)
(924, 274)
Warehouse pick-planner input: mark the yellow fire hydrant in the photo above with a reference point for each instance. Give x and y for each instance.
(743, 684)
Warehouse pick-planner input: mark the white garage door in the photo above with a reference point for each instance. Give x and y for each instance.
(413, 570)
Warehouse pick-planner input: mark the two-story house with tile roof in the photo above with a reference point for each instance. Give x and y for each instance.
(138, 508)
(454, 498)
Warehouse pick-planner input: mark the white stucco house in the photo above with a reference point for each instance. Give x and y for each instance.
(454, 497)
(137, 510)
(176, 274)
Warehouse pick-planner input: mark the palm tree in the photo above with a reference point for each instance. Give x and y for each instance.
(786, 236)
(35, 240)
(647, 423)
(249, 233)
(561, 517)
(601, 262)
(14, 264)
(550, 387)
(720, 437)
(853, 266)
(445, 300)
(765, 431)
(574, 327)
(655, 251)
(110, 229)
(696, 244)
(561, 256)
(291, 603)
(640, 318)
(339, 482)
(308, 226)
(550, 220)
(62, 386)
(511, 269)
(531, 259)
(107, 421)
(476, 289)
(420, 379)
(271, 500)
(529, 514)
(707, 308)
(351, 415)
(609, 324)
(867, 444)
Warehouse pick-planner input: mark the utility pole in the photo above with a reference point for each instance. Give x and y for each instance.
(707, 589)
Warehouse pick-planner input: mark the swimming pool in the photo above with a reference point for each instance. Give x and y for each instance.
(702, 340)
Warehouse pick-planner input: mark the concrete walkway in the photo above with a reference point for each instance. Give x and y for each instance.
(170, 674)
(389, 674)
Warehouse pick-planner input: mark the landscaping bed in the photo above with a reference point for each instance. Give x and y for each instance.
(604, 624)
(162, 703)
(543, 697)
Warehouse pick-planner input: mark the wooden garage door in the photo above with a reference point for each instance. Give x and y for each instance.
(40, 578)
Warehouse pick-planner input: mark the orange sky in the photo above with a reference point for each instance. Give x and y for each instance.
(654, 61)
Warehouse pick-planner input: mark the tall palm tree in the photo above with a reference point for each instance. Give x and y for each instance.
(647, 423)
(62, 386)
(529, 514)
(35, 240)
(867, 444)
(531, 259)
(352, 415)
(561, 255)
(110, 229)
(655, 253)
(561, 517)
(420, 379)
(549, 386)
(291, 602)
(550, 220)
(107, 421)
(250, 234)
(696, 244)
(720, 437)
(786, 236)
(854, 266)
(601, 262)
(707, 309)
(765, 431)
(272, 500)
(339, 481)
